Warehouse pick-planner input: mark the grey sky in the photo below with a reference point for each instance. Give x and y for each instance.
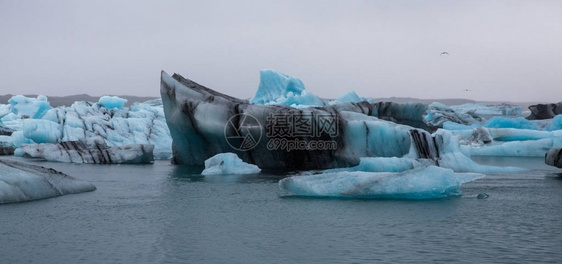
(499, 50)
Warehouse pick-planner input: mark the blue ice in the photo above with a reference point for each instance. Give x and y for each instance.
(142, 123)
(281, 89)
(228, 163)
(516, 122)
(429, 182)
(111, 102)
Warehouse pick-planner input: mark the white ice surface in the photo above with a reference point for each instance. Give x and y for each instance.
(228, 163)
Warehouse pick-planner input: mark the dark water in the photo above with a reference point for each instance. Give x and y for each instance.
(163, 213)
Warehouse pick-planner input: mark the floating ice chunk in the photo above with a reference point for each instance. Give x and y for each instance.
(527, 148)
(350, 96)
(438, 113)
(21, 182)
(421, 183)
(452, 157)
(556, 124)
(228, 163)
(111, 102)
(29, 107)
(279, 88)
(143, 123)
(517, 122)
(554, 157)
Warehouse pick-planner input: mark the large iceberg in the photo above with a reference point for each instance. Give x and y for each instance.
(429, 182)
(204, 123)
(21, 182)
(228, 163)
(108, 119)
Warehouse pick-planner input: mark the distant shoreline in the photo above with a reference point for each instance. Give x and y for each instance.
(56, 101)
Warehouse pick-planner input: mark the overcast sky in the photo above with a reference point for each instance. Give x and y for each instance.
(499, 50)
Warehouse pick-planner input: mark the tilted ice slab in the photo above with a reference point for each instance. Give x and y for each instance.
(21, 182)
(421, 183)
(203, 121)
(93, 151)
(142, 123)
(228, 163)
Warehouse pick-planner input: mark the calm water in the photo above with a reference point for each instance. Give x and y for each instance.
(164, 213)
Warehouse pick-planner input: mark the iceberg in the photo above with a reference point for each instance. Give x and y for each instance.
(554, 157)
(111, 102)
(118, 126)
(429, 182)
(21, 182)
(544, 111)
(93, 150)
(228, 163)
(204, 123)
(512, 142)
(437, 114)
(26, 107)
(276, 88)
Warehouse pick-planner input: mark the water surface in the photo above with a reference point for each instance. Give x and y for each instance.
(164, 213)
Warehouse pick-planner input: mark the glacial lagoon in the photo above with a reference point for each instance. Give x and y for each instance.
(165, 213)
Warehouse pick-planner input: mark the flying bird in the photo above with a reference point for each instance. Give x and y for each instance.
(444, 53)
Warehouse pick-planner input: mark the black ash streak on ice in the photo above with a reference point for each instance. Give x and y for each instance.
(184, 100)
(91, 152)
